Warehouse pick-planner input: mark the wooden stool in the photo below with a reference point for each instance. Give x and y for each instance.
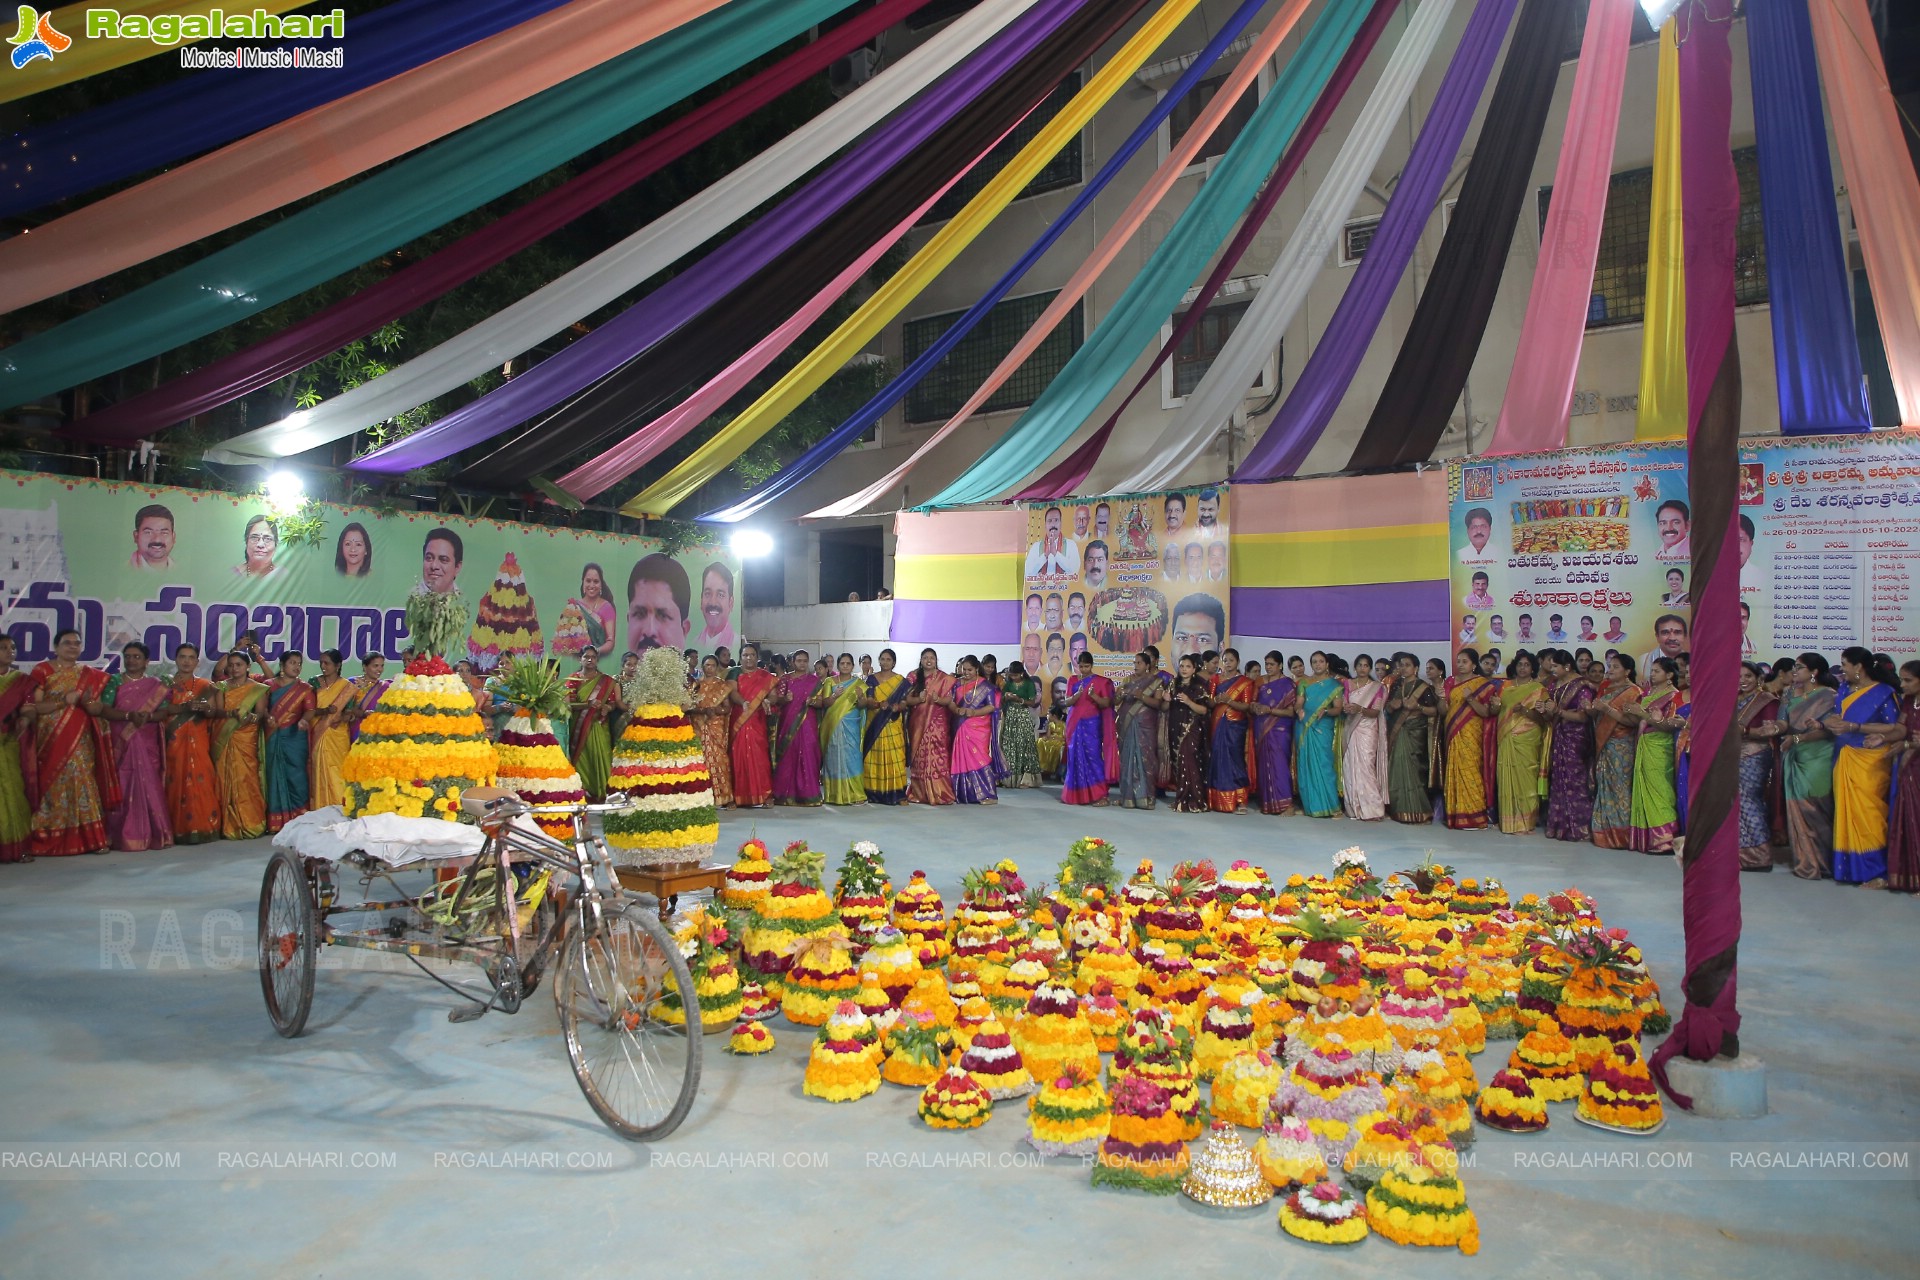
(666, 884)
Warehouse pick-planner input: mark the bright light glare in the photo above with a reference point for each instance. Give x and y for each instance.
(1658, 11)
(751, 544)
(285, 490)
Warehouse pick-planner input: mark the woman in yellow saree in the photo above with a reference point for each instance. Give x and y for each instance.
(240, 706)
(1523, 738)
(1470, 703)
(1865, 722)
(333, 697)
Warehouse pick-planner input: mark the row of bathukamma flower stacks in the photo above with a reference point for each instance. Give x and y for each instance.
(1337, 1015)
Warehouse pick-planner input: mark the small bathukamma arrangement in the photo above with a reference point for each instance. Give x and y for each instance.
(1226, 1038)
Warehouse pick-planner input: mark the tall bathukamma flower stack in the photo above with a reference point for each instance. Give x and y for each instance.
(1145, 1148)
(659, 764)
(420, 748)
(1070, 1115)
(749, 876)
(531, 762)
(1420, 1201)
(860, 893)
(919, 913)
(841, 1066)
(506, 624)
(795, 906)
(1052, 1033)
(702, 938)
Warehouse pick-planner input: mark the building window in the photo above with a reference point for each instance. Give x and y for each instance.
(1061, 171)
(1355, 238)
(939, 395)
(1199, 348)
(1189, 108)
(1620, 270)
(938, 11)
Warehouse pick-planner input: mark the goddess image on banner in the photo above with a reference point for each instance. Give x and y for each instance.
(1592, 548)
(1110, 576)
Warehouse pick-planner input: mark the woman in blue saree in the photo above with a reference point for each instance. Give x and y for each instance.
(843, 725)
(1321, 705)
(1273, 736)
(290, 704)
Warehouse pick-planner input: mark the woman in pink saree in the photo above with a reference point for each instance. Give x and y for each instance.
(929, 732)
(131, 707)
(976, 736)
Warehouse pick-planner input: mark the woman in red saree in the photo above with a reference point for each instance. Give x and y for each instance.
(193, 802)
(930, 733)
(133, 707)
(71, 781)
(1093, 752)
(16, 815)
(751, 753)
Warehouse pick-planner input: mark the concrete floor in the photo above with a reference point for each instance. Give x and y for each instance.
(480, 1135)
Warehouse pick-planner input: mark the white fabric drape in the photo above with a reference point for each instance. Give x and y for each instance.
(624, 266)
(1293, 272)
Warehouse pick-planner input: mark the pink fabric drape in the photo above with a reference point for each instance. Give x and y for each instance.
(1539, 398)
(597, 475)
(1116, 241)
(330, 144)
(1880, 183)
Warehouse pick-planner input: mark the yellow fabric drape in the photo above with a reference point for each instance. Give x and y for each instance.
(1663, 342)
(90, 57)
(891, 298)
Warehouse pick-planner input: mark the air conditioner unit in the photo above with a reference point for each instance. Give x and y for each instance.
(849, 73)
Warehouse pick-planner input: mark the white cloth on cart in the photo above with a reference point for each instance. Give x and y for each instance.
(387, 837)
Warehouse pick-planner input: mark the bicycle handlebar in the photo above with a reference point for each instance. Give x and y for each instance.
(618, 802)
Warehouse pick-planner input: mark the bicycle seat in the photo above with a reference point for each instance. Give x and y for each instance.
(486, 802)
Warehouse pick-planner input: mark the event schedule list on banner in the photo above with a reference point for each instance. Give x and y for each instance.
(1593, 548)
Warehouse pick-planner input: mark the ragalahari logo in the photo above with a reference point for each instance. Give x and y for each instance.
(36, 38)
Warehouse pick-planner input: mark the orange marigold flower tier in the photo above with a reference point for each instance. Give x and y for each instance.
(659, 765)
(913, 1057)
(1145, 1148)
(820, 976)
(1111, 962)
(841, 1065)
(749, 877)
(1380, 1143)
(1545, 1059)
(1226, 1029)
(1106, 1016)
(893, 962)
(1242, 1087)
(420, 748)
(1330, 1090)
(1053, 1035)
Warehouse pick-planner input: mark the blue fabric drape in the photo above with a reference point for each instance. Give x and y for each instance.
(1816, 360)
(200, 111)
(826, 450)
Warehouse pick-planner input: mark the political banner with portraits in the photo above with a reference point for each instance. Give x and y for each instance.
(121, 562)
(1592, 548)
(1110, 576)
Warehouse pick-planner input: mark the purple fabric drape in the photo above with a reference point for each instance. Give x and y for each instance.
(301, 344)
(1066, 476)
(1816, 361)
(1336, 357)
(686, 295)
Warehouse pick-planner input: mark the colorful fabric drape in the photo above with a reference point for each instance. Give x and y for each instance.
(1815, 358)
(1137, 727)
(1656, 804)
(823, 451)
(956, 578)
(196, 113)
(842, 726)
(962, 229)
(140, 754)
(1806, 779)
(640, 256)
(1110, 350)
(1569, 799)
(1662, 411)
(1218, 396)
(1614, 746)
(1070, 472)
(1410, 751)
(1436, 354)
(796, 774)
(1187, 746)
(1019, 745)
(592, 699)
(1539, 398)
(1329, 371)
(82, 57)
(421, 282)
(317, 149)
(1881, 185)
(592, 478)
(1114, 243)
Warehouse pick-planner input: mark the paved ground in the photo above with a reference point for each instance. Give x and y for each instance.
(162, 1045)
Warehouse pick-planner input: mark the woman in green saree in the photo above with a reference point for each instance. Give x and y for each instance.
(1656, 799)
(1019, 744)
(1411, 706)
(1614, 737)
(843, 726)
(1523, 739)
(1806, 766)
(1322, 701)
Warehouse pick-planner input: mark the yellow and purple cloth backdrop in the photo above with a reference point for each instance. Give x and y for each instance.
(122, 562)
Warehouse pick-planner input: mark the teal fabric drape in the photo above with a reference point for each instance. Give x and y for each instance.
(405, 200)
(1152, 296)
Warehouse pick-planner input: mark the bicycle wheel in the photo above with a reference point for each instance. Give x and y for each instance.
(288, 943)
(638, 1072)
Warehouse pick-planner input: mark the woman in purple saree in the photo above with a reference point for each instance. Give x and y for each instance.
(1273, 736)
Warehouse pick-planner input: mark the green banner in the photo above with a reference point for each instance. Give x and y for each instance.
(120, 562)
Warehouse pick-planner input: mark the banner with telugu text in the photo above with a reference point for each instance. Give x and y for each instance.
(1592, 548)
(1111, 576)
(122, 562)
